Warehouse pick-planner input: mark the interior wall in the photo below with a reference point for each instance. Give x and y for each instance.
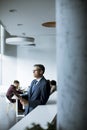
(43, 53)
(8, 62)
(9, 65)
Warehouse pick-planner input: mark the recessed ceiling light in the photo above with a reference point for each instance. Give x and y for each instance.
(19, 24)
(49, 24)
(12, 10)
(24, 33)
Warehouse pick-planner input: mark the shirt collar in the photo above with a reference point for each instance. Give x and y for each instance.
(39, 79)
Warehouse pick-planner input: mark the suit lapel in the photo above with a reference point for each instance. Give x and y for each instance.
(36, 86)
(33, 85)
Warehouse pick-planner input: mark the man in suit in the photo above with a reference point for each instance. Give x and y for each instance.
(39, 90)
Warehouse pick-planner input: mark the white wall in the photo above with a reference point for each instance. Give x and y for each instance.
(9, 67)
(44, 52)
(9, 70)
(8, 61)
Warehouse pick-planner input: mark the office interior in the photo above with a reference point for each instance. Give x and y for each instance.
(60, 45)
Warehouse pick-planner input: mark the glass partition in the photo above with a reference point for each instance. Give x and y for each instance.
(0, 39)
(0, 55)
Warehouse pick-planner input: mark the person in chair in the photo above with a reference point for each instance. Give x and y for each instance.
(13, 90)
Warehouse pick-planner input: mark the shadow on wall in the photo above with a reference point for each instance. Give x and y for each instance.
(10, 50)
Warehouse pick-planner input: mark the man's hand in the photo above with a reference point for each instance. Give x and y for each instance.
(23, 101)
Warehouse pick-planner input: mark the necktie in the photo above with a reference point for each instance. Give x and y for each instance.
(33, 88)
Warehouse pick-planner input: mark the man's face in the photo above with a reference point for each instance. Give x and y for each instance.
(37, 72)
(17, 85)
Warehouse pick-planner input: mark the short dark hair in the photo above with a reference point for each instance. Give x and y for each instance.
(40, 66)
(53, 82)
(16, 81)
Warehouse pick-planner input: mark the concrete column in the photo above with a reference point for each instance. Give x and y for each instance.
(2, 30)
(2, 39)
(72, 64)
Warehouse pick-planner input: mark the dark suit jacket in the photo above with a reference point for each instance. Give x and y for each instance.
(39, 96)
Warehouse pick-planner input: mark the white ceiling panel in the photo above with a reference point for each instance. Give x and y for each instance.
(24, 17)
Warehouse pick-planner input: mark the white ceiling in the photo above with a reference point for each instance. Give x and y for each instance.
(29, 14)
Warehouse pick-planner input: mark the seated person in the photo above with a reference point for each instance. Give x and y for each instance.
(13, 90)
(53, 86)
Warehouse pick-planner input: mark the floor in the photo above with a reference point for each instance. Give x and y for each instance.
(7, 113)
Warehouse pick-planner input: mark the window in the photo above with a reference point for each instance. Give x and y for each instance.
(0, 39)
(0, 59)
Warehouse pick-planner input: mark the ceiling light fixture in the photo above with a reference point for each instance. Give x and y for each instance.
(12, 10)
(24, 33)
(49, 24)
(19, 24)
(20, 40)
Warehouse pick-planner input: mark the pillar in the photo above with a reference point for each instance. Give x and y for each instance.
(71, 64)
(2, 30)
